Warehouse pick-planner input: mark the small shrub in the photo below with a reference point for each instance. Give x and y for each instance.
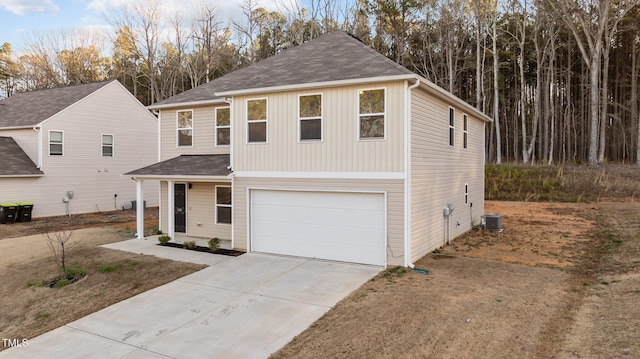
(37, 283)
(61, 283)
(75, 273)
(156, 231)
(214, 243)
(164, 239)
(189, 244)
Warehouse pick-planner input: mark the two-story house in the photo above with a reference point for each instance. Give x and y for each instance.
(65, 149)
(326, 150)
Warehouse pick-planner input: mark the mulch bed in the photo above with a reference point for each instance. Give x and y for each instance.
(225, 252)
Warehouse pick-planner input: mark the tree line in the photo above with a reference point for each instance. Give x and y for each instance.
(559, 77)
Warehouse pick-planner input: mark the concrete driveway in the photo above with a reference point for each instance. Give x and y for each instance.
(241, 307)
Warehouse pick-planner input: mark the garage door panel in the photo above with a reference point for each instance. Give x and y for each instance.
(338, 226)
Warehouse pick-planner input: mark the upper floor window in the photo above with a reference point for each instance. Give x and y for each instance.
(223, 126)
(310, 117)
(107, 145)
(371, 114)
(465, 130)
(185, 128)
(257, 121)
(452, 126)
(56, 143)
(223, 204)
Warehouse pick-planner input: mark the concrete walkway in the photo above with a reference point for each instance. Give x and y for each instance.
(238, 307)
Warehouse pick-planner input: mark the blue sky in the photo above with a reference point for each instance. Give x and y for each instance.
(21, 18)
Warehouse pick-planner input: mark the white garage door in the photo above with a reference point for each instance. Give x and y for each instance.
(347, 227)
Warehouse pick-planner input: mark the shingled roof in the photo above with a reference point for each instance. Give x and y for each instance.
(14, 162)
(336, 56)
(187, 165)
(31, 108)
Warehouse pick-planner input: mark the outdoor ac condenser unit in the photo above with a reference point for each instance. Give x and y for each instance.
(492, 222)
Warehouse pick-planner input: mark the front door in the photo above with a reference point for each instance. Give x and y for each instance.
(180, 201)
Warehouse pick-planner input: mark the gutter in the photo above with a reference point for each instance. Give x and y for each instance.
(187, 104)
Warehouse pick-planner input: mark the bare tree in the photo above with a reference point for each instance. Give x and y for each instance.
(59, 246)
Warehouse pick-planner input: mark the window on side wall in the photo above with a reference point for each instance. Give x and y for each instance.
(310, 117)
(223, 126)
(465, 129)
(371, 114)
(452, 127)
(107, 145)
(466, 194)
(185, 128)
(223, 205)
(56, 143)
(257, 121)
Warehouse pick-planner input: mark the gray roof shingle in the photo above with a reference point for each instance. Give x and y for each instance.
(336, 56)
(14, 161)
(31, 108)
(187, 165)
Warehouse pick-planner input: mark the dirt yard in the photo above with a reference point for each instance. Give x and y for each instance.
(561, 281)
(28, 309)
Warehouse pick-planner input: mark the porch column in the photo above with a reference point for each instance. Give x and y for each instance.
(140, 208)
(171, 210)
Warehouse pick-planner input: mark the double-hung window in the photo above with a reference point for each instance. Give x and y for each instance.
(56, 143)
(371, 114)
(465, 131)
(107, 145)
(185, 128)
(223, 126)
(452, 127)
(257, 121)
(310, 117)
(223, 204)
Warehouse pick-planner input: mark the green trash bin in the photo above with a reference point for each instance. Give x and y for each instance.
(8, 211)
(24, 211)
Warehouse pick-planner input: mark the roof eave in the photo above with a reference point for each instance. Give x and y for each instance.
(30, 127)
(358, 81)
(187, 104)
(181, 177)
(435, 89)
(22, 176)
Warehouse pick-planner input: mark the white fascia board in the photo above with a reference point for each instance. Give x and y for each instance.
(181, 178)
(11, 128)
(316, 85)
(439, 91)
(187, 104)
(327, 175)
(21, 176)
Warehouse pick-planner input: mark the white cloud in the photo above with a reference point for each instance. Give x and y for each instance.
(22, 7)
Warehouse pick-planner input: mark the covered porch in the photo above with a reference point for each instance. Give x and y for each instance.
(195, 198)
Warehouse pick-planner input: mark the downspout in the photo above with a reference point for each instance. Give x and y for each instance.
(407, 171)
(39, 131)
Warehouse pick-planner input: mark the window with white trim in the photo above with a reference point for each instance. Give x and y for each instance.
(223, 126)
(107, 145)
(56, 143)
(465, 130)
(185, 128)
(310, 117)
(371, 114)
(452, 126)
(223, 205)
(257, 121)
(466, 194)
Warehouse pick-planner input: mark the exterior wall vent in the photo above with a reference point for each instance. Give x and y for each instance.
(492, 222)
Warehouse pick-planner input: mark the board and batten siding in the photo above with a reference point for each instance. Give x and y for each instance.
(27, 139)
(201, 211)
(439, 173)
(204, 133)
(94, 180)
(394, 190)
(339, 151)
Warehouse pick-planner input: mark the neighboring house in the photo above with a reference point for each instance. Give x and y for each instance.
(327, 150)
(75, 142)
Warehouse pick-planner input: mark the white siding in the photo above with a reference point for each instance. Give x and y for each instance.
(95, 180)
(439, 173)
(340, 149)
(203, 133)
(395, 204)
(27, 139)
(201, 211)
